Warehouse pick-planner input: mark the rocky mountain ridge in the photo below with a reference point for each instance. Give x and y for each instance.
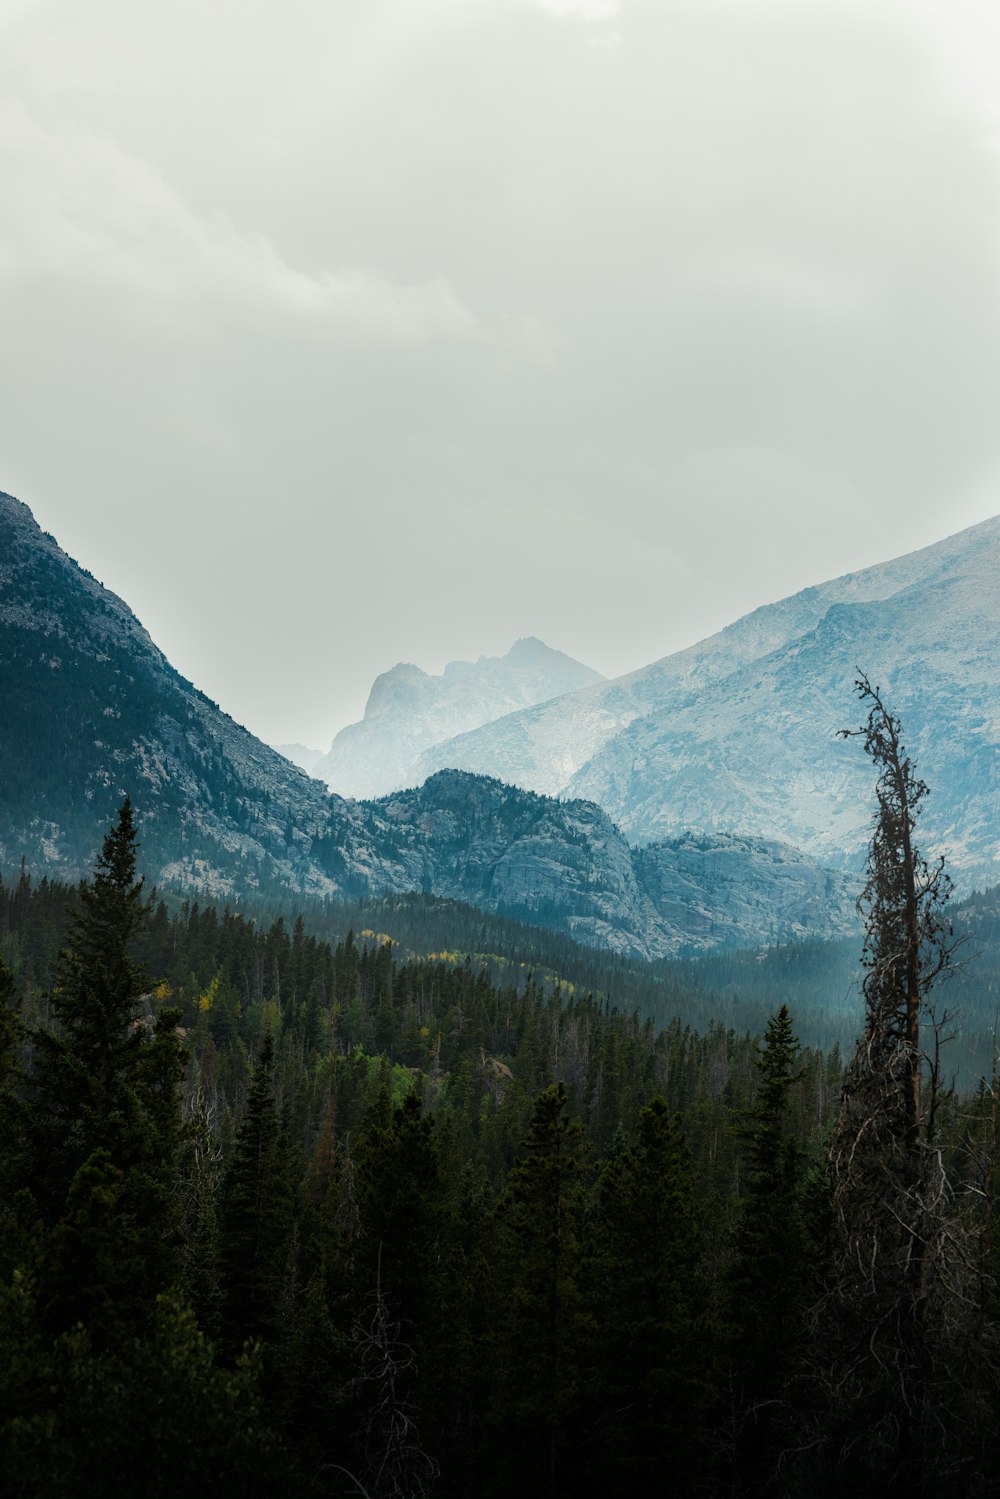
(409, 710)
(93, 710)
(738, 733)
(301, 755)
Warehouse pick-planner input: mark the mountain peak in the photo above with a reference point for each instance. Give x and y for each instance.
(529, 650)
(736, 733)
(15, 510)
(409, 710)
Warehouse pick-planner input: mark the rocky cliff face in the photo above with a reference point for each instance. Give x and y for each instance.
(739, 733)
(566, 865)
(92, 711)
(409, 710)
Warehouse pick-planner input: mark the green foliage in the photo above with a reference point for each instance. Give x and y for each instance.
(105, 1112)
(153, 1416)
(256, 1218)
(459, 1228)
(540, 1224)
(652, 1347)
(13, 1128)
(768, 1282)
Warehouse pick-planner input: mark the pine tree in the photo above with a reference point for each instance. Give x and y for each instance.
(13, 1165)
(768, 1281)
(256, 1218)
(105, 1116)
(404, 1252)
(650, 1348)
(540, 1228)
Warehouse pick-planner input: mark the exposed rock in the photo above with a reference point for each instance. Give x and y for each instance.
(301, 755)
(738, 733)
(94, 711)
(409, 710)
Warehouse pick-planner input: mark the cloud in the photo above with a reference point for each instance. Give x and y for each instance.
(76, 209)
(484, 292)
(583, 10)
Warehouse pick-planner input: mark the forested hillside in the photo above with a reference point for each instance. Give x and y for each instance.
(410, 1228)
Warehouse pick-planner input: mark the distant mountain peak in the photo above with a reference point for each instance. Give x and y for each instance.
(530, 651)
(92, 711)
(736, 733)
(301, 755)
(409, 710)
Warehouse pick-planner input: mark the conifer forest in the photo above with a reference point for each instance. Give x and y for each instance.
(500, 749)
(291, 1215)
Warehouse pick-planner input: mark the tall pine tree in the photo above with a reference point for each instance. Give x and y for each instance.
(539, 1340)
(256, 1218)
(651, 1339)
(105, 1115)
(768, 1279)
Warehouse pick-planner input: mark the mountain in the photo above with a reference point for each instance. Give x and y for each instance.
(739, 731)
(94, 711)
(566, 866)
(301, 755)
(409, 710)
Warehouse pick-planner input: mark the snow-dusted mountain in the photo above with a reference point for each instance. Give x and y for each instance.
(92, 710)
(738, 732)
(409, 710)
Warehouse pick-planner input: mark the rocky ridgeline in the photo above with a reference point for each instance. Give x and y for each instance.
(738, 733)
(94, 711)
(409, 710)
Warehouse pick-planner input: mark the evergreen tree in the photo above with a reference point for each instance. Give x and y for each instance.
(651, 1341)
(105, 1116)
(153, 1418)
(256, 1218)
(540, 1226)
(768, 1280)
(404, 1253)
(13, 1165)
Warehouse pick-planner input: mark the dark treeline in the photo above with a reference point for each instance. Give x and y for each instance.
(821, 982)
(737, 988)
(289, 1216)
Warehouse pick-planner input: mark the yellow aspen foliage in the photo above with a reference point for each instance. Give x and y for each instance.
(207, 999)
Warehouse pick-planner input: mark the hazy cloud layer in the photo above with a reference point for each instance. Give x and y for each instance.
(395, 329)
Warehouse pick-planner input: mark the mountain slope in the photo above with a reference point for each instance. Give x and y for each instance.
(94, 711)
(301, 755)
(738, 732)
(565, 865)
(408, 711)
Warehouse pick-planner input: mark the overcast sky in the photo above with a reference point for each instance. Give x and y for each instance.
(344, 332)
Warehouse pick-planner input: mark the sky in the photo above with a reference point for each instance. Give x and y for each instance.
(345, 332)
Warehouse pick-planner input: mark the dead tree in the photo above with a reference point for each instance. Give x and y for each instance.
(899, 1296)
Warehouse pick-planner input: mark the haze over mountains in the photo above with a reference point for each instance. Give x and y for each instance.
(737, 733)
(721, 763)
(409, 710)
(301, 755)
(94, 711)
